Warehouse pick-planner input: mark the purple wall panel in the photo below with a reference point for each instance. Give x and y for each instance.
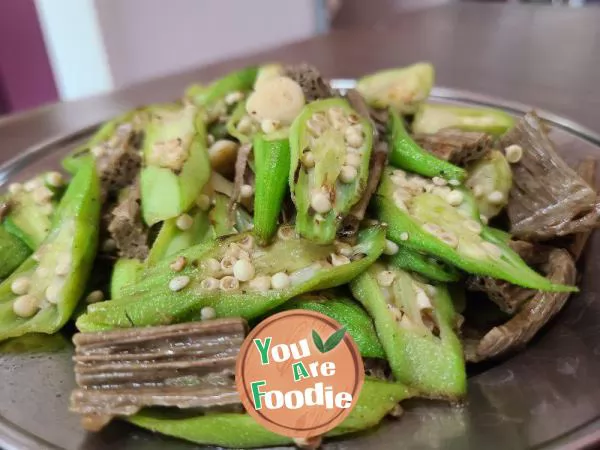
(26, 78)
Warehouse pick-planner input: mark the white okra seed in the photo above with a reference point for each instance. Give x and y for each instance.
(320, 202)
(184, 222)
(32, 185)
(514, 153)
(308, 159)
(227, 264)
(94, 297)
(404, 236)
(179, 264)
(352, 159)
(261, 283)
(210, 284)
(178, 283)
(391, 248)
(495, 197)
(208, 313)
(354, 136)
(20, 285)
(439, 181)
(229, 283)
(338, 260)
(203, 202)
(348, 174)
(473, 226)
(52, 292)
(455, 198)
(212, 266)
(280, 280)
(54, 179)
(246, 191)
(26, 305)
(243, 270)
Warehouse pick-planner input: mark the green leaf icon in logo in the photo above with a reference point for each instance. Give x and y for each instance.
(331, 342)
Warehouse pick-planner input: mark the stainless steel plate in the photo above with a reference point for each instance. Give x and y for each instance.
(548, 396)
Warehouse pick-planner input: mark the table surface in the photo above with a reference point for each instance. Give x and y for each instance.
(540, 55)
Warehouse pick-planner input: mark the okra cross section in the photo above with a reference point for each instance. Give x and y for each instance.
(330, 150)
(42, 293)
(415, 323)
(442, 220)
(235, 277)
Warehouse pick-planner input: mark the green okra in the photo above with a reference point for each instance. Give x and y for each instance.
(402, 89)
(238, 81)
(330, 150)
(172, 239)
(265, 278)
(415, 323)
(272, 165)
(420, 216)
(348, 313)
(406, 154)
(490, 181)
(176, 163)
(427, 266)
(13, 250)
(51, 281)
(376, 399)
(125, 271)
(431, 118)
(31, 211)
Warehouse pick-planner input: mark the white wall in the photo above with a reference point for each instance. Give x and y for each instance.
(149, 38)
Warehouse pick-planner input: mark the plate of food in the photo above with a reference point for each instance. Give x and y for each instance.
(450, 234)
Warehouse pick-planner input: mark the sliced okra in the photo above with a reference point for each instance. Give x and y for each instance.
(176, 163)
(402, 89)
(406, 154)
(42, 293)
(431, 118)
(424, 265)
(31, 207)
(235, 277)
(330, 151)
(442, 221)
(490, 181)
(415, 323)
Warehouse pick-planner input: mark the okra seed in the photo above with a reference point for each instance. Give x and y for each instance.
(95, 297)
(385, 278)
(247, 243)
(315, 126)
(227, 264)
(42, 272)
(98, 151)
(243, 270)
(208, 313)
(492, 249)
(233, 97)
(431, 228)
(246, 191)
(280, 280)
(353, 119)
(343, 249)
(109, 245)
(20, 285)
(203, 202)
(439, 181)
(483, 219)
(354, 136)
(179, 264)
(262, 283)
(449, 238)
(269, 126)
(473, 226)
(495, 197)
(338, 260)
(348, 174)
(210, 284)
(178, 283)
(391, 248)
(229, 283)
(244, 126)
(308, 159)
(454, 182)
(352, 159)
(212, 266)
(184, 222)
(210, 139)
(320, 202)
(55, 179)
(32, 185)
(15, 188)
(26, 305)
(514, 153)
(63, 265)
(404, 236)
(42, 194)
(455, 198)
(477, 190)
(336, 118)
(52, 292)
